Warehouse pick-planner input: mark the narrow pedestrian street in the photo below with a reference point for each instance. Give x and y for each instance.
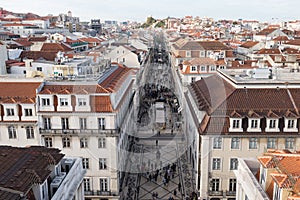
(158, 167)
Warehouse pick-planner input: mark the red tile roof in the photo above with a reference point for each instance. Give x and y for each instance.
(21, 92)
(249, 44)
(55, 47)
(23, 168)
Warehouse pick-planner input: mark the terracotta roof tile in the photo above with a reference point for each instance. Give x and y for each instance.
(18, 91)
(22, 168)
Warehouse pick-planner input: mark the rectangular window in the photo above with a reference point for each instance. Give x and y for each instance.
(28, 112)
(212, 68)
(101, 123)
(86, 184)
(236, 123)
(252, 143)
(66, 142)
(272, 123)
(216, 164)
(85, 163)
(203, 68)
(82, 102)
(82, 123)
(235, 143)
(271, 144)
(103, 184)
(39, 69)
(232, 185)
(102, 163)
(188, 54)
(65, 123)
(217, 143)
(193, 79)
(194, 68)
(45, 102)
(233, 163)
(289, 143)
(291, 123)
(47, 123)
(64, 102)
(29, 132)
(101, 142)
(215, 184)
(10, 112)
(48, 142)
(83, 142)
(12, 133)
(254, 123)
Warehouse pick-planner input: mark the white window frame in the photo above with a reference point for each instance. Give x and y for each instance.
(45, 102)
(28, 112)
(65, 123)
(85, 163)
(83, 142)
(104, 182)
(87, 184)
(272, 125)
(235, 125)
(216, 163)
(215, 184)
(232, 185)
(290, 125)
(254, 125)
(101, 142)
(48, 142)
(102, 163)
(10, 112)
(233, 164)
(82, 102)
(29, 132)
(235, 143)
(12, 132)
(193, 68)
(289, 143)
(253, 143)
(47, 123)
(217, 142)
(101, 123)
(203, 68)
(66, 142)
(271, 143)
(82, 123)
(63, 101)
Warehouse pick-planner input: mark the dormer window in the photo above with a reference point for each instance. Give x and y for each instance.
(82, 102)
(236, 123)
(194, 68)
(10, 112)
(64, 102)
(272, 123)
(203, 68)
(254, 123)
(290, 125)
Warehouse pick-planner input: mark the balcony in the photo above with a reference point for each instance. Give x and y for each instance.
(230, 193)
(215, 193)
(81, 132)
(100, 193)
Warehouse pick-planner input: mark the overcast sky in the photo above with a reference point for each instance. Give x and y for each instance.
(138, 10)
